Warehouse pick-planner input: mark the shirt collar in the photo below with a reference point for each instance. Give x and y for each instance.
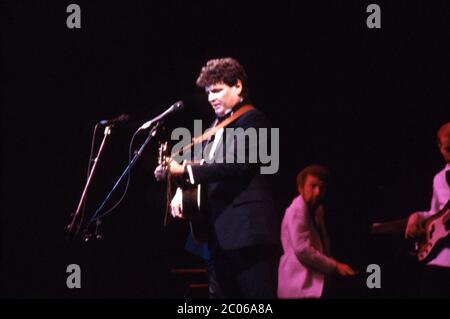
(230, 112)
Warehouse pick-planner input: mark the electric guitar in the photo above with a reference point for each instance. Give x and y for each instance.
(436, 232)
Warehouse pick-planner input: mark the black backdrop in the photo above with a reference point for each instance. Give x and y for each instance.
(365, 103)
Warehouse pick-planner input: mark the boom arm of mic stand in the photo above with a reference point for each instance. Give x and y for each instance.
(88, 182)
(96, 216)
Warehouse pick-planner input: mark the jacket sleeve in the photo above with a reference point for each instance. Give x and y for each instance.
(299, 237)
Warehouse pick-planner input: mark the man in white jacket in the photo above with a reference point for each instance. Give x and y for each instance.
(436, 276)
(306, 260)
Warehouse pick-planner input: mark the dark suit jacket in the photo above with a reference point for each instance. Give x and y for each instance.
(238, 197)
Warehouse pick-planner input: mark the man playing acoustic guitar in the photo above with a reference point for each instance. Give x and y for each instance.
(243, 224)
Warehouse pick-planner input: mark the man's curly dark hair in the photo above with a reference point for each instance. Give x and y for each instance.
(226, 70)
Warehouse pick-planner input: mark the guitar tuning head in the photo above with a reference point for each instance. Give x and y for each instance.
(162, 157)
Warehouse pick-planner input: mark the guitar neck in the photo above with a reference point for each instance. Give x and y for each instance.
(392, 227)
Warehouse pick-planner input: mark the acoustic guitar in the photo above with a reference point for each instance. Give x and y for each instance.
(192, 200)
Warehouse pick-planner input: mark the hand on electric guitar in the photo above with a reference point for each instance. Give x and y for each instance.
(414, 228)
(429, 232)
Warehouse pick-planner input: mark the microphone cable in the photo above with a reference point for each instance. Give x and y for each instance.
(97, 216)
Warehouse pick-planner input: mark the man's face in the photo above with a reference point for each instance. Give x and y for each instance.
(223, 97)
(444, 147)
(313, 191)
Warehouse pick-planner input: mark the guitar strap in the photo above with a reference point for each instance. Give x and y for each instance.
(200, 139)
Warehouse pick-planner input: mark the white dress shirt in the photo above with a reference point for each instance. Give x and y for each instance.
(441, 194)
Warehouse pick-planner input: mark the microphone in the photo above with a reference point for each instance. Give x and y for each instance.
(121, 118)
(175, 107)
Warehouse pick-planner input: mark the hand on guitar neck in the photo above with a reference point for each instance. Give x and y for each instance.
(173, 168)
(169, 166)
(415, 226)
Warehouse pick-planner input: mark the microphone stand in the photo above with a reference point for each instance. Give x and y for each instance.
(88, 182)
(95, 217)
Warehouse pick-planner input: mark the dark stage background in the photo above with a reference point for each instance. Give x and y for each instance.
(366, 103)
